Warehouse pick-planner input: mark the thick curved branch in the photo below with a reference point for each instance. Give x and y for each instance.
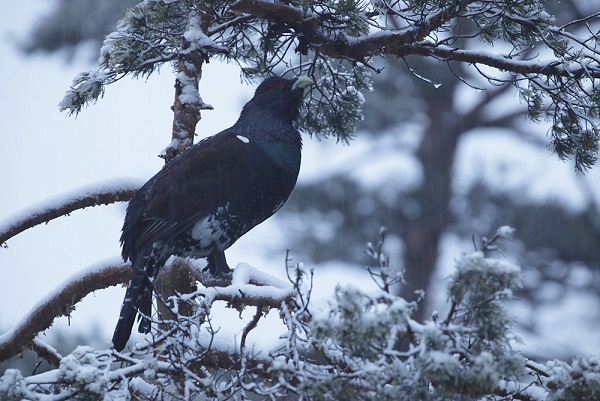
(394, 44)
(523, 67)
(403, 42)
(59, 303)
(87, 197)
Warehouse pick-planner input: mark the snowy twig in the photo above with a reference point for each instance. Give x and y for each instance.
(382, 274)
(247, 287)
(504, 232)
(451, 313)
(96, 195)
(46, 352)
(60, 302)
(249, 327)
(514, 395)
(537, 369)
(224, 360)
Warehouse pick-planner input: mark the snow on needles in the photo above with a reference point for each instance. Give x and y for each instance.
(477, 261)
(505, 232)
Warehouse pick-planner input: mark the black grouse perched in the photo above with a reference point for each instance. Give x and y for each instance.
(211, 194)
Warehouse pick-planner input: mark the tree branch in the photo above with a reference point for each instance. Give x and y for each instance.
(244, 291)
(60, 302)
(251, 326)
(172, 280)
(211, 358)
(64, 205)
(46, 352)
(395, 44)
(402, 43)
(188, 103)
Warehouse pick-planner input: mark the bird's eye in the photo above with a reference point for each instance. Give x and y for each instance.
(277, 85)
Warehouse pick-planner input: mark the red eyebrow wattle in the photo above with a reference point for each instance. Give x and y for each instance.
(276, 85)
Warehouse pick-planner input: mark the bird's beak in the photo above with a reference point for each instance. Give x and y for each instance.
(302, 82)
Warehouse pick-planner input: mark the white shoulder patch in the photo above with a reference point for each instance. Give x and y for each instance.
(243, 138)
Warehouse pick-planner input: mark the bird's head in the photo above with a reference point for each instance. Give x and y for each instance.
(280, 96)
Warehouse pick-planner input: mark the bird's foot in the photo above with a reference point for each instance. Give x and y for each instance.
(221, 279)
(217, 265)
(218, 272)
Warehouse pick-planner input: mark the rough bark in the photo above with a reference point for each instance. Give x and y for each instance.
(188, 103)
(172, 280)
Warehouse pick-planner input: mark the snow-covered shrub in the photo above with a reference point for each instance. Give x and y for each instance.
(360, 346)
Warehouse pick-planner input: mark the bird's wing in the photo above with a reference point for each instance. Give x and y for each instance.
(192, 186)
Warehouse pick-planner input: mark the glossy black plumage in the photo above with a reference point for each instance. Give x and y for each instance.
(213, 193)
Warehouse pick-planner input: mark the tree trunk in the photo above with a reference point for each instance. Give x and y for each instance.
(422, 234)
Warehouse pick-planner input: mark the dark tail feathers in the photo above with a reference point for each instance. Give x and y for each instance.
(138, 298)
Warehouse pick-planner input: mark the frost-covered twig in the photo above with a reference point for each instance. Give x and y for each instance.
(504, 232)
(249, 327)
(381, 273)
(46, 351)
(94, 195)
(250, 287)
(61, 302)
(538, 369)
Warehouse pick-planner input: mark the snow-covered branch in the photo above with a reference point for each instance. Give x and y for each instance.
(60, 303)
(406, 42)
(249, 287)
(188, 103)
(93, 195)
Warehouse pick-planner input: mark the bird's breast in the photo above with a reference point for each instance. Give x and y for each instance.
(285, 156)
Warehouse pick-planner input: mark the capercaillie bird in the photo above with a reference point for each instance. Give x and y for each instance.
(211, 194)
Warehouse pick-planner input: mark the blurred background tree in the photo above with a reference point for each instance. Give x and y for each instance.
(73, 23)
